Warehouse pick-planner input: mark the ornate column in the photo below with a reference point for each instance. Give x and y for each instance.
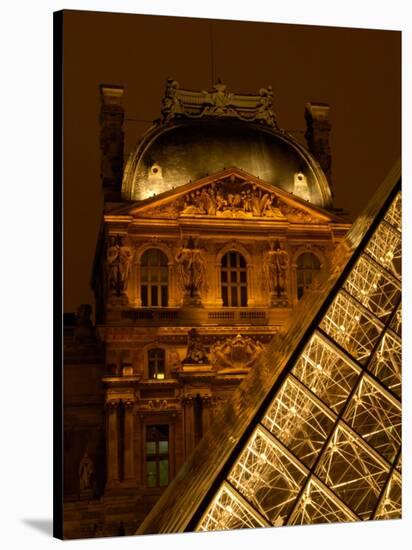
(112, 442)
(128, 455)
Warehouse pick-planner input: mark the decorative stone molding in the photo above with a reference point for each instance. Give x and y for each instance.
(154, 242)
(308, 247)
(219, 103)
(237, 352)
(230, 198)
(112, 404)
(158, 404)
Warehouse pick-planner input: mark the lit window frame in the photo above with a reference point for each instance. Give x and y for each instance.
(156, 365)
(151, 284)
(226, 269)
(157, 456)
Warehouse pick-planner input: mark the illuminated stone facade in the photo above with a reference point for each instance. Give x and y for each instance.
(192, 279)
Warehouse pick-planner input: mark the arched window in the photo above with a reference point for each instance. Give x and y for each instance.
(154, 278)
(233, 278)
(156, 363)
(307, 266)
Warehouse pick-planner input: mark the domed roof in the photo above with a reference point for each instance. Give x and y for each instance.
(189, 148)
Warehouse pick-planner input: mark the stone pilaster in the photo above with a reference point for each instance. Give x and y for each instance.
(128, 454)
(189, 420)
(112, 442)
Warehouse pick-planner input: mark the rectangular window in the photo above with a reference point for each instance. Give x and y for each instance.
(157, 455)
(234, 280)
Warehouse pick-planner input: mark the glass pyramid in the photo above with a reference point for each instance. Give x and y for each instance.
(313, 435)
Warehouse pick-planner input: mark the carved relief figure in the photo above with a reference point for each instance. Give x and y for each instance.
(275, 268)
(232, 199)
(191, 270)
(237, 352)
(218, 101)
(196, 352)
(86, 473)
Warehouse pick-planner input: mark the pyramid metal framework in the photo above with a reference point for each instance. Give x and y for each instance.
(324, 445)
(327, 448)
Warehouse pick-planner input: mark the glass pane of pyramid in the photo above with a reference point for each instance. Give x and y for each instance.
(321, 442)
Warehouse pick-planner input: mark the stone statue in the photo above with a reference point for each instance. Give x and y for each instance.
(118, 260)
(196, 353)
(264, 106)
(191, 270)
(86, 473)
(171, 103)
(275, 269)
(113, 263)
(126, 256)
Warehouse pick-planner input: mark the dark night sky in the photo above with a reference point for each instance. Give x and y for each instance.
(356, 71)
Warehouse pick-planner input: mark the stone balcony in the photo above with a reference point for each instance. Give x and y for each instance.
(188, 316)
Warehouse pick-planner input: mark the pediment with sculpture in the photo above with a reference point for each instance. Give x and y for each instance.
(232, 196)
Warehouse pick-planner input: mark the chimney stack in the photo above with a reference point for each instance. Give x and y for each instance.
(317, 136)
(111, 140)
